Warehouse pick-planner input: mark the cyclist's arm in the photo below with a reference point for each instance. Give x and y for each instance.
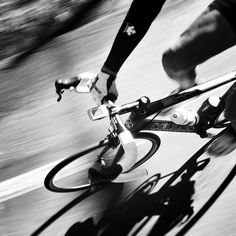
(135, 25)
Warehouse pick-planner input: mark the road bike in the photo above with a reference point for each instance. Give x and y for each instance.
(123, 142)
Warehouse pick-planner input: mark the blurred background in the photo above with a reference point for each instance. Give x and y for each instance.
(45, 40)
(23, 23)
(26, 27)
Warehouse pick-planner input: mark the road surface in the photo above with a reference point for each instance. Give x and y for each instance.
(37, 132)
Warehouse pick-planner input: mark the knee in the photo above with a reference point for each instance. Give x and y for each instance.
(169, 63)
(175, 66)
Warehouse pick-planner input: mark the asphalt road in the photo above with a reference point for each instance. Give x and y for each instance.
(36, 132)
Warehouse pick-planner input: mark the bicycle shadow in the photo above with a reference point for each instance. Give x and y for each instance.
(116, 192)
(172, 204)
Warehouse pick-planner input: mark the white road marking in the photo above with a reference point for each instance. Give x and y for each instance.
(31, 180)
(24, 183)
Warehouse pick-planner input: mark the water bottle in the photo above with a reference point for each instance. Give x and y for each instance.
(208, 109)
(182, 116)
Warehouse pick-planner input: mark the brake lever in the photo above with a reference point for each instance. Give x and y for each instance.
(59, 95)
(66, 84)
(59, 90)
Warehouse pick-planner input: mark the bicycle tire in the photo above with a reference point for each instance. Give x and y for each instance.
(156, 141)
(51, 184)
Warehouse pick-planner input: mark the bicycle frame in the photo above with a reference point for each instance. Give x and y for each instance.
(140, 111)
(138, 120)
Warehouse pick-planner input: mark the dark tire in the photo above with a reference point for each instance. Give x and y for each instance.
(50, 182)
(85, 159)
(154, 139)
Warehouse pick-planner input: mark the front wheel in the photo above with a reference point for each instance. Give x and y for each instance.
(72, 173)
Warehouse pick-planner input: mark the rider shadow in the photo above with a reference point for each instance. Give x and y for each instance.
(172, 204)
(78, 200)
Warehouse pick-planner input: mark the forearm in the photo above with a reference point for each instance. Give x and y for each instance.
(135, 25)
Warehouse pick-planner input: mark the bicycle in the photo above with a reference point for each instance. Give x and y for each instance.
(120, 145)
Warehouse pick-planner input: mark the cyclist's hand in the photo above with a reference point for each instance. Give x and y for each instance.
(104, 88)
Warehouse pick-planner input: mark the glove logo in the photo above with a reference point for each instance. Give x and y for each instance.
(96, 88)
(129, 30)
(93, 86)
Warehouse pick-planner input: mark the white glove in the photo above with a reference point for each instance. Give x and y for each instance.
(104, 88)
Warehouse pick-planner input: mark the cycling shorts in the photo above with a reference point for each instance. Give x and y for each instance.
(230, 109)
(228, 9)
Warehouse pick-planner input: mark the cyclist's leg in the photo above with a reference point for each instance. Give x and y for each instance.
(210, 34)
(230, 110)
(226, 143)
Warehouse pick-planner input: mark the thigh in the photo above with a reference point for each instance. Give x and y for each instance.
(207, 36)
(230, 110)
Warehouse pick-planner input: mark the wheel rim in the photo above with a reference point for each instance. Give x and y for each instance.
(57, 178)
